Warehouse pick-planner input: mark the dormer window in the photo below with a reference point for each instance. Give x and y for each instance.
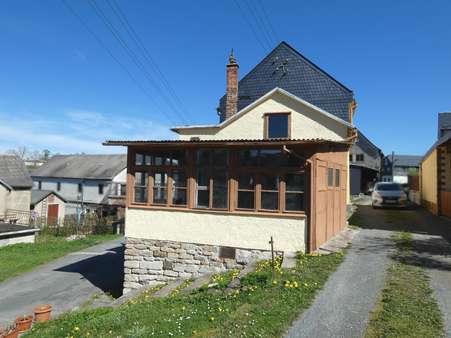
(277, 125)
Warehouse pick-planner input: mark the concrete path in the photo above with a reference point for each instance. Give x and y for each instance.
(342, 308)
(64, 283)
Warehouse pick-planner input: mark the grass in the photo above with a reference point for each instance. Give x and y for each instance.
(262, 307)
(407, 308)
(18, 258)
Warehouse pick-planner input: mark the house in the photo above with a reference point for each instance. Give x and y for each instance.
(365, 165)
(435, 171)
(275, 167)
(398, 168)
(48, 206)
(86, 182)
(15, 190)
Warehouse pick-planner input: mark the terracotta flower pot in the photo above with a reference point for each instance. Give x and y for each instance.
(23, 324)
(42, 313)
(11, 333)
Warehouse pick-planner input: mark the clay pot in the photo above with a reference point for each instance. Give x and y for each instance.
(42, 313)
(11, 333)
(23, 324)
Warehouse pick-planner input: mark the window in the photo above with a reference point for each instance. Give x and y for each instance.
(39, 185)
(58, 186)
(350, 157)
(270, 192)
(294, 192)
(122, 189)
(359, 158)
(212, 179)
(174, 158)
(277, 125)
(100, 188)
(246, 191)
(141, 187)
(160, 187)
(80, 188)
(179, 188)
(337, 178)
(330, 177)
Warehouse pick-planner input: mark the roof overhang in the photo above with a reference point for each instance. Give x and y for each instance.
(6, 185)
(228, 143)
(257, 102)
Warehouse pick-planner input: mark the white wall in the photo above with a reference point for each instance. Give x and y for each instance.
(19, 200)
(3, 194)
(241, 231)
(305, 123)
(42, 209)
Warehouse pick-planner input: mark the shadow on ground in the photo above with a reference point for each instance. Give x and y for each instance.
(431, 234)
(104, 271)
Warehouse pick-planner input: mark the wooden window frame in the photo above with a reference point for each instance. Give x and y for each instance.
(234, 170)
(303, 192)
(266, 117)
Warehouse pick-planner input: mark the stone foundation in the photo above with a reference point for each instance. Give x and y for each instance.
(152, 262)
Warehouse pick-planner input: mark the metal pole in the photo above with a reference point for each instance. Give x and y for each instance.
(272, 258)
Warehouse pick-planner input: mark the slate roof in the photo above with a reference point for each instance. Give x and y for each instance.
(82, 166)
(366, 145)
(445, 138)
(444, 123)
(301, 78)
(14, 173)
(38, 195)
(407, 160)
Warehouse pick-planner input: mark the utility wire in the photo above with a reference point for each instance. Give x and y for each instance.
(246, 19)
(271, 27)
(124, 68)
(99, 12)
(145, 52)
(259, 23)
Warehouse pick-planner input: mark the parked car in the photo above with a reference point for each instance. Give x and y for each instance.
(388, 194)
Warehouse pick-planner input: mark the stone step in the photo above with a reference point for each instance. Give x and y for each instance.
(289, 260)
(169, 288)
(198, 283)
(250, 267)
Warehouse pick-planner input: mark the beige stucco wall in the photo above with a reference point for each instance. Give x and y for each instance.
(19, 200)
(241, 231)
(3, 194)
(429, 181)
(42, 210)
(305, 122)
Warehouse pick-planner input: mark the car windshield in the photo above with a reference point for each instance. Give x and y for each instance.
(388, 187)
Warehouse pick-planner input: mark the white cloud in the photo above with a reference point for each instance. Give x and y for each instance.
(77, 131)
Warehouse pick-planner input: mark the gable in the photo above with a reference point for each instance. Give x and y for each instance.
(307, 121)
(286, 68)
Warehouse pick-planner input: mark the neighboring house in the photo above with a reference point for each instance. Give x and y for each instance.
(86, 182)
(398, 168)
(365, 165)
(435, 171)
(15, 190)
(275, 167)
(49, 206)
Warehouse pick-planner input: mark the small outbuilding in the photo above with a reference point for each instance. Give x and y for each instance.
(48, 206)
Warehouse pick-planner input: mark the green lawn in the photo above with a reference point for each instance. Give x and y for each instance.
(18, 258)
(407, 308)
(260, 308)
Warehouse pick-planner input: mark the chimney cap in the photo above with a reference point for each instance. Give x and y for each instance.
(232, 60)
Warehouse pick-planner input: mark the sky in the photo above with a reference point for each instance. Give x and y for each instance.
(67, 84)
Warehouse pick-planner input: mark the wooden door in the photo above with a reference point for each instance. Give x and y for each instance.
(52, 214)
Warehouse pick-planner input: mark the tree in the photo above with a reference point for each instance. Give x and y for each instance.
(20, 152)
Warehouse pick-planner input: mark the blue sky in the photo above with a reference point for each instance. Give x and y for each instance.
(60, 90)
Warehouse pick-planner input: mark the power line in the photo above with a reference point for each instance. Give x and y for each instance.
(271, 27)
(259, 23)
(100, 42)
(99, 12)
(145, 52)
(246, 19)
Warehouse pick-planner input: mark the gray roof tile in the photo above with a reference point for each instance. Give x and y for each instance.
(82, 166)
(13, 172)
(302, 78)
(444, 123)
(38, 195)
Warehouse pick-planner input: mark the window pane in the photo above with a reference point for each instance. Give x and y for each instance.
(140, 187)
(270, 200)
(220, 190)
(246, 200)
(203, 179)
(179, 197)
(337, 177)
(160, 188)
(140, 179)
(278, 126)
(179, 179)
(330, 177)
(249, 157)
(178, 158)
(294, 202)
(295, 161)
(139, 159)
(140, 195)
(220, 158)
(294, 182)
(246, 182)
(203, 157)
(272, 158)
(158, 159)
(270, 182)
(202, 198)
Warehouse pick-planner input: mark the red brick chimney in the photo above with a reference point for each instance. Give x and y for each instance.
(232, 87)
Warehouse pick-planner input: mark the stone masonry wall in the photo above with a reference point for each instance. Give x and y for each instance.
(152, 262)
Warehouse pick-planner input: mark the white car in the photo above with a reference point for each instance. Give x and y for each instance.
(387, 194)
